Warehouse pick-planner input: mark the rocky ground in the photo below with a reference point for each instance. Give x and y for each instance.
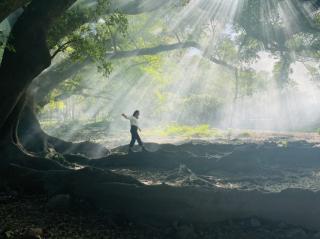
(37, 217)
(270, 166)
(246, 169)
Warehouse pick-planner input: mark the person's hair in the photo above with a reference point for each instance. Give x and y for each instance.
(136, 112)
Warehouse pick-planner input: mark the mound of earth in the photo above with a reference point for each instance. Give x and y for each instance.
(268, 166)
(197, 183)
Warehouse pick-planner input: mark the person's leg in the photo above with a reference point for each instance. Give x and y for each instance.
(133, 140)
(140, 142)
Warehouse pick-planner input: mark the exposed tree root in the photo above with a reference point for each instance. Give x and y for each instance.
(65, 181)
(201, 158)
(124, 195)
(34, 139)
(11, 154)
(87, 148)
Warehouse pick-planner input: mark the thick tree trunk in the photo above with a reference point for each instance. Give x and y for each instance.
(35, 140)
(28, 59)
(30, 133)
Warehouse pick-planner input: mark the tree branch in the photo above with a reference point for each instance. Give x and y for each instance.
(56, 74)
(134, 7)
(151, 50)
(127, 7)
(61, 48)
(222, 63)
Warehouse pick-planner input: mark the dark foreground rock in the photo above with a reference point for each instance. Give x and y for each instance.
(29, 217)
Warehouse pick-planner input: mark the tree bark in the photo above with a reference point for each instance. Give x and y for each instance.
(134, 7)
(18, 68)
(151, 50)
(30, 133)
(30, 55)
(36, 141)
(9, 6)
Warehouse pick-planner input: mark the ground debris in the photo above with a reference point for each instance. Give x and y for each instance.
(28, 217)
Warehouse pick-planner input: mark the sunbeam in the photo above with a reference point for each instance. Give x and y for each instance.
(197, 85)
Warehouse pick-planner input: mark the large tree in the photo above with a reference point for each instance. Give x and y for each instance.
(98, 48)
(28, 55)
(252, 19)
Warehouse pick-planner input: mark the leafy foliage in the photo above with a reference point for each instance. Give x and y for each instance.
(89, 33)
(259, 27)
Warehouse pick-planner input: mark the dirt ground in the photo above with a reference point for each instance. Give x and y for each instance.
(31, 217)
(259, 163)
(263, 161)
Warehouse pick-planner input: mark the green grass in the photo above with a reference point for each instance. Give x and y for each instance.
(245, 135)
(203, 130)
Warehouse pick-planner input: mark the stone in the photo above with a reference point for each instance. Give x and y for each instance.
(186, 232)
(33, 233)
(296, 233)
(255, 222)
(316, 236)
(59, 202)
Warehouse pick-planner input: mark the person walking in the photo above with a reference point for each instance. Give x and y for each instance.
(134, 130)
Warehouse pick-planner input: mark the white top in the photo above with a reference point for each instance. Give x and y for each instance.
(133, 121)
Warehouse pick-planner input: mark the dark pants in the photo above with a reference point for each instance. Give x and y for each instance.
(134, 136)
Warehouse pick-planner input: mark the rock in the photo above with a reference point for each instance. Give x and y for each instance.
(186, 232)
(175, 225)
(8, 234)
(33, 233)
(168, 232)
(283, 225)
(255, 222)
(296, 233)
(59, 202)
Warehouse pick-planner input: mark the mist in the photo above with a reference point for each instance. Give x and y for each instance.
(187, 86)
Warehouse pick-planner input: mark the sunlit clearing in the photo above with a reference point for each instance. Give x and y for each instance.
(235, 74)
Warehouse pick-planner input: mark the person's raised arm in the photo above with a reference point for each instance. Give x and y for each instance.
(124, 116)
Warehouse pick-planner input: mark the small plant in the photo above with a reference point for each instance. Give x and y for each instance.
(244, 135)
(283, 143)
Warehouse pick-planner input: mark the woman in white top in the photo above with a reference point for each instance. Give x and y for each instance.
(134, 129)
